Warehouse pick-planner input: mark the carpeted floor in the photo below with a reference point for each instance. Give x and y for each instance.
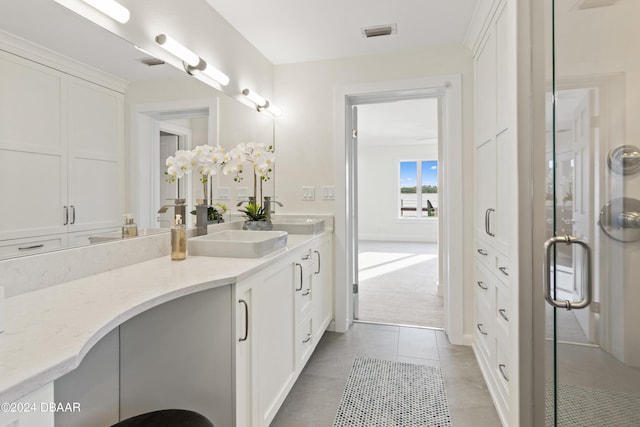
(385, 393)
(398, 283)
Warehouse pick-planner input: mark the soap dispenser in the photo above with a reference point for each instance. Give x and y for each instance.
(178, 239)
(129, 229)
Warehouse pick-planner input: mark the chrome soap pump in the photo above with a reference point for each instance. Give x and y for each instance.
(178, 239)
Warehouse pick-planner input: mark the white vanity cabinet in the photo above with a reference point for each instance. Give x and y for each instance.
(495, 340)
(62, 146)
(280, 315)
(322, 285)
(30, 411)
(265, 358)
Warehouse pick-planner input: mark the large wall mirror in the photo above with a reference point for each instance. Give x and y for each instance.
(164, 109)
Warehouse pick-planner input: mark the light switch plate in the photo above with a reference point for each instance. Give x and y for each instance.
(222, 193)
(328, 192)
(242, 192)
(308, 193)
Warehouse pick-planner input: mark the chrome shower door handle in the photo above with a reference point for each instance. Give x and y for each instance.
(587, 285)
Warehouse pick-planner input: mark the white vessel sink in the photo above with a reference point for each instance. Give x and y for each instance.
(298, 225)
(237, 243)
(117, 235)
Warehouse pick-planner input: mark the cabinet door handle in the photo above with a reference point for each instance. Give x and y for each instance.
(26, 248)
(487, 222)
(66, 215)
(503, 270)
(482, 252)
(300, 288)
(317, 271)
(503, 313)
(73, 214)
(246, 320)
(306, 340)
(306, 257)
(308, 291)
(482, 330)
(481, 285)
(502, 367)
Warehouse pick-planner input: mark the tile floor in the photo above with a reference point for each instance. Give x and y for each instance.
(314, 399)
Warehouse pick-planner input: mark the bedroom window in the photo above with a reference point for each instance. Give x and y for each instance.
(418, 189)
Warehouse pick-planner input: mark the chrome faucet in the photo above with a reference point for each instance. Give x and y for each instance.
(202, 219)
(267, 205)
(250, 200)
(180, 208)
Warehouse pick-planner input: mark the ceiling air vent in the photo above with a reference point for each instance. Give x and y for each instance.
(379, 30)
(151, 61)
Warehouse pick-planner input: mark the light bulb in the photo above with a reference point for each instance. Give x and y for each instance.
(177, 49)
(111, 8)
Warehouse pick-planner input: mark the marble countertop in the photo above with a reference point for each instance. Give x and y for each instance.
(49, 331)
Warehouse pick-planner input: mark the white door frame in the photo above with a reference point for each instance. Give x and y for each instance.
(450, 225)
(143, 138)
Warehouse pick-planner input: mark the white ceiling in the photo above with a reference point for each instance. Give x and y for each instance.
(406, 122)
(289, 31)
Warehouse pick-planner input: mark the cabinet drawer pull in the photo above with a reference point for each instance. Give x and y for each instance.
(308, 291)
(299, 266)
(482, 286)
(306, 340)
(246, 320)
(502, 367)
(481, 330)
(318, 270)
(306, 257)
(26, 248)
(483, 252)
(503, 270)
(503, 312)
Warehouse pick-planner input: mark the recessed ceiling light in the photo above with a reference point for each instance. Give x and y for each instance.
(379, 30)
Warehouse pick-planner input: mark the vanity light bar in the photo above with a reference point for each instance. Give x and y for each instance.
(254, 97)
(193, 64)
(274, 109)
(177, 49)
(262, 103)
(112, 9)
(216, 74)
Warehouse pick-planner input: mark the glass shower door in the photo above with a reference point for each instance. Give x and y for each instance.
(593, 213)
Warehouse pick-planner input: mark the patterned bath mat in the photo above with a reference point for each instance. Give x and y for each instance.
(382, 393)
(586, 406)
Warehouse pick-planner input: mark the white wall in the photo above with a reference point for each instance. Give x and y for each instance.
(378, 194)
(305, 135)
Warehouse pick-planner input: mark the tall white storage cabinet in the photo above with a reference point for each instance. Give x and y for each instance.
(62, 150)
(495, 340)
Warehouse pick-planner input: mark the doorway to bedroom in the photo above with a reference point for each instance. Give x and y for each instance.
(398, 196)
